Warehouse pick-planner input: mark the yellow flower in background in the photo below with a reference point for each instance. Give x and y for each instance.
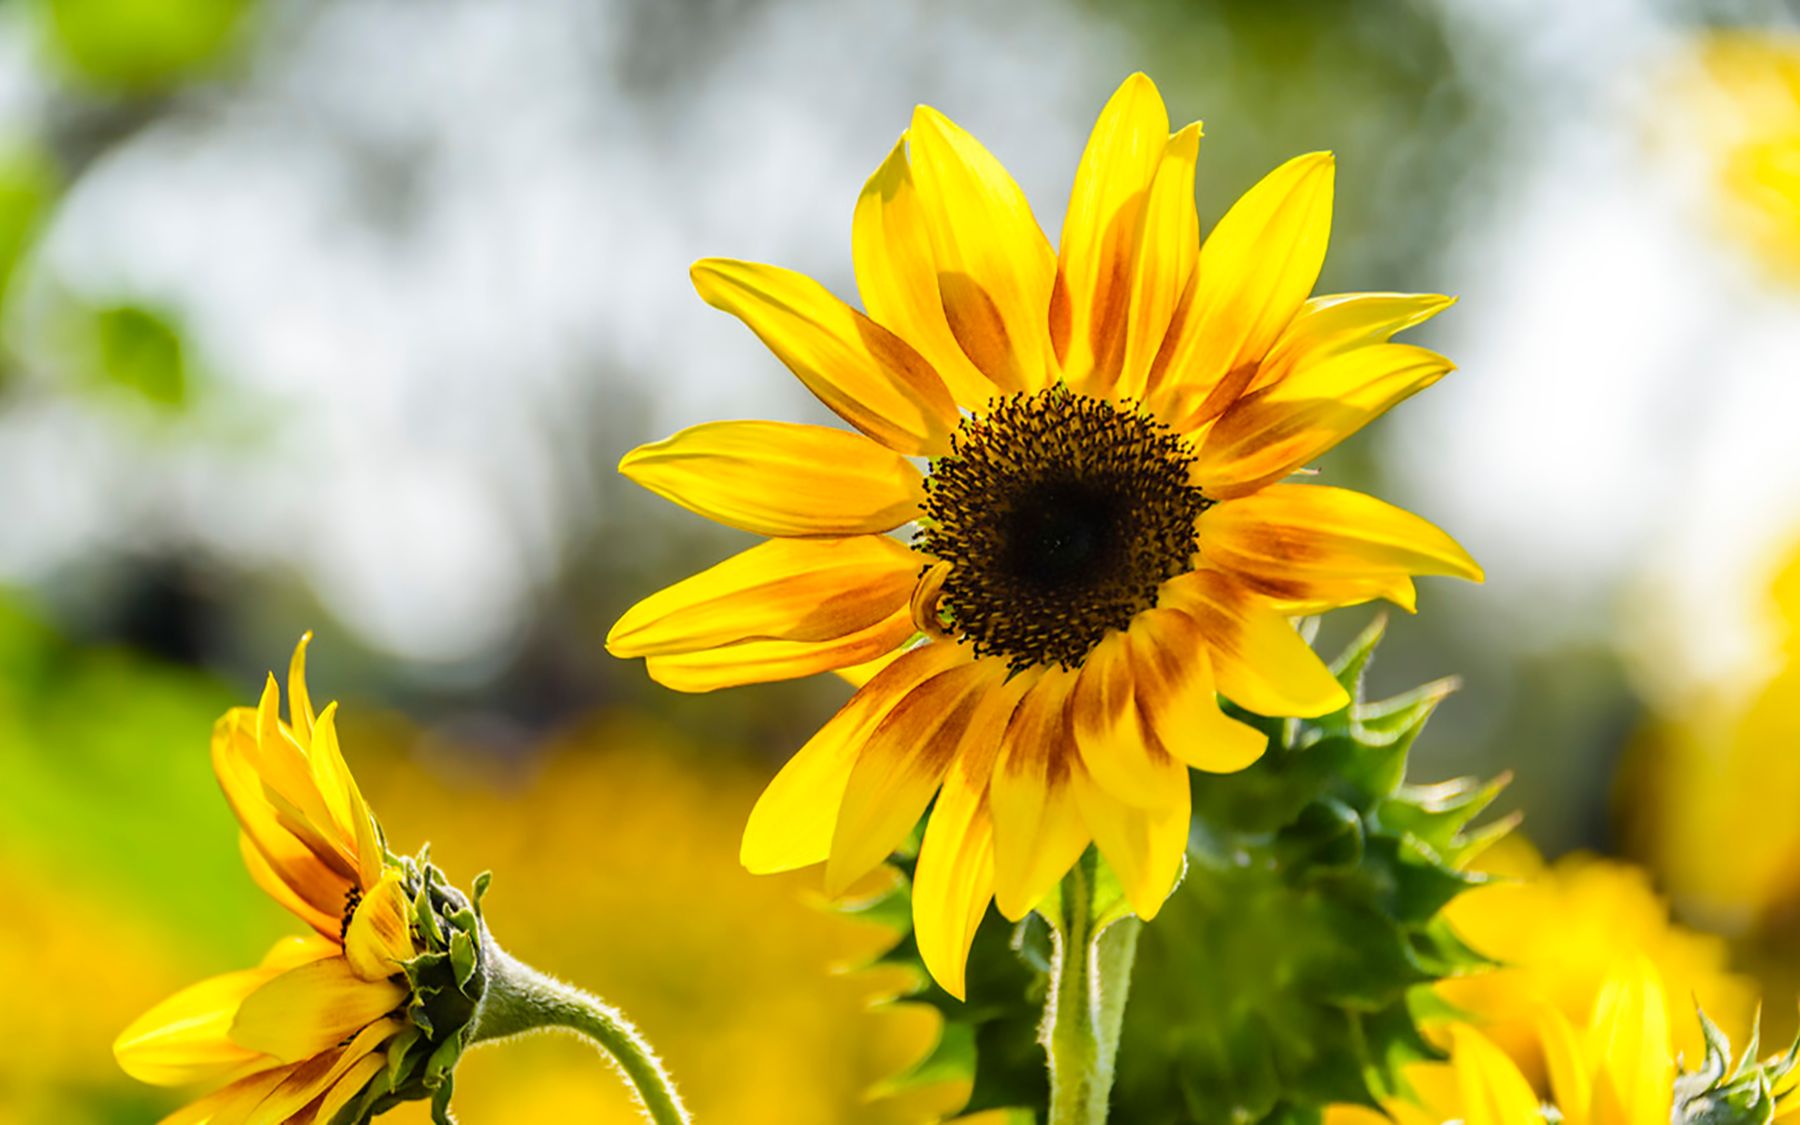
(1559, 932)
(300, 1036)
(1104, 540)
(1748, 100)
(1613, 1068)
(1710, 794)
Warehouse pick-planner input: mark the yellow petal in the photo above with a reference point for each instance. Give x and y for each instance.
(1112, 733)
(305, 1010)
(1493, 1092)
(348, 1085)
(1337, 323)
(186, 1037)
(760, 662)
(781, 478)
(232, 1103)
(1143, 845)
(952, 883)
(792, 822)
(1173, 682)
(321, 1074)
(1570, 1083)
(870, 377)
(995, 267)
(1258, 661)
(379, 936)
(300, 709)
(900, 765)
(301, 949)
(1099, 231)
(1038, 833)
(1318, 546)
(1266, 435)
(1255, 270)
(898, 278)
(784, 589)
(856, 675)
(355, 828)
(1628, 1040)
(321, 885)
(1164, 263)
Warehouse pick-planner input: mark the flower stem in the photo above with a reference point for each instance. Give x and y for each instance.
(518, 999)
(1090, 980)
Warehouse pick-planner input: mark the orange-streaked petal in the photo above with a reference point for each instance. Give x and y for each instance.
(869, 376)
(900, 765)
(1317, 545)
(1116, 746)
(995, 267)
(954, 876)
(348, 1085)
(1100, 230)
(232, 1103)
(1173, 681)
(1143, 846)
(186, 1037)
(1258, 661)
(1267, 435)
(321, 884)
(321, 1074)
(784, 589)
(761, 662)
(1038, 833)
(305, 1010)
(781, 478)
(1339, 322)
(793, 820)
(898, 278)
(1256, 268)
(379, 936)
(1168, 247)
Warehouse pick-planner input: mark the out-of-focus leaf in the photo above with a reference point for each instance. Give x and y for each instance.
(141, 351)
(140, 46)
(27, 187)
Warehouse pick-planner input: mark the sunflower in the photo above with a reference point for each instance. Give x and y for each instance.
(1616, 1069)
(1091, 445)
(302, 1035)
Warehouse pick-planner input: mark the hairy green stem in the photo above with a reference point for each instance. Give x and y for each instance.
(1090, 981)
(518, 999)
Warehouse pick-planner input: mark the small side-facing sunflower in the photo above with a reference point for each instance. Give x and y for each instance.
(1091, 445)
(303, 1035)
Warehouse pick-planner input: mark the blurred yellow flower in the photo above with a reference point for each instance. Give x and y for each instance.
(1559, 931)
(1616, 1069)
(1710, 794)
(1104, 542)
(300, 1036)
(1748, 96)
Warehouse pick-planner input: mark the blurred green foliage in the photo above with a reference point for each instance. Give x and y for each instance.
(139, 47)
(140, 351)
(27, 188)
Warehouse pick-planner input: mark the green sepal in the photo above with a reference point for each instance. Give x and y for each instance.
(1721, 1093)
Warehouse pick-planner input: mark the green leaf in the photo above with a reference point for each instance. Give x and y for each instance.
(140, 46)
(141, 351)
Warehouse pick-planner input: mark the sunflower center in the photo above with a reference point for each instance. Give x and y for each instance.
(1060, 515)
(352, 900)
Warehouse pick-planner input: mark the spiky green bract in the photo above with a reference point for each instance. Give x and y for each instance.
(1720, 1093)
(1287, 970)
(447, 980)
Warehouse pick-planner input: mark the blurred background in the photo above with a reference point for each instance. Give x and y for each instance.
(338, 314)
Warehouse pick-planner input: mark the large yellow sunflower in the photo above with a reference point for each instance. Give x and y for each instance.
(1092, 446)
